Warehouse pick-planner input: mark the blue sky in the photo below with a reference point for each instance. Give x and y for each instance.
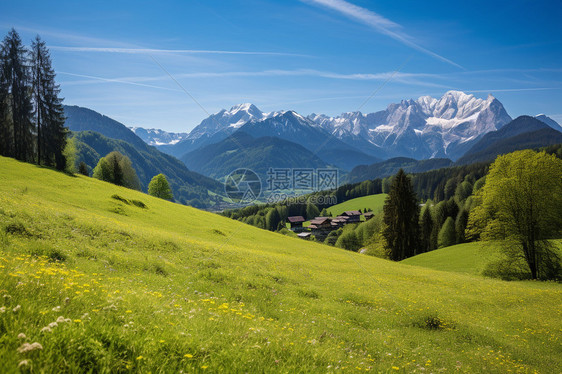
(132, 60)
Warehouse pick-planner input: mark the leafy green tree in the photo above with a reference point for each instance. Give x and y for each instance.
(447, 234)
(349, 240)
(401, 219)
(160, 187)
(521, 209)
(117, 169)
(103, 171)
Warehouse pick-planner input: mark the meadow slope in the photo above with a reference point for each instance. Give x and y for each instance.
(103, 284)
(375, 202)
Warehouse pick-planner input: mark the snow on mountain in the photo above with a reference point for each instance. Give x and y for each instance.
(158, 137)
(549, 121)
(422, 128)
(234, 118)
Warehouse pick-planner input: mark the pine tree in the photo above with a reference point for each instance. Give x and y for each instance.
(426, 227)
(401, 218)
(49, 112)
(17, 79)
(6, 141)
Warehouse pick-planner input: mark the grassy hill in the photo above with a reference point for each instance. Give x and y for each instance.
(375, 202)
(144, 285)
(468, 258)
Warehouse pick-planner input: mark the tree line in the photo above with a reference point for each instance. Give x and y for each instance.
(31, 111)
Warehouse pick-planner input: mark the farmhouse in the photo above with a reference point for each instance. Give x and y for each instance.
(296, 222)
(353, 216)
(368, 215)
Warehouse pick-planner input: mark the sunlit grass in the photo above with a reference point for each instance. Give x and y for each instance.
(168, 288)
(374, 202)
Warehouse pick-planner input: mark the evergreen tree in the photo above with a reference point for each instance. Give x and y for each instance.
(447, 234)
(6, 141)
(49, 112)
(426, 228)
(401, 216)
(159, 187)
(17, 79)
(272, 220)
(460, 225)
(312, 211)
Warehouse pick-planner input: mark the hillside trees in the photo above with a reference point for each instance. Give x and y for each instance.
(117, 169)
(401, 215)
(49, 113)
(159, 187)
(18, 126)
(31, 113)
(521, 208)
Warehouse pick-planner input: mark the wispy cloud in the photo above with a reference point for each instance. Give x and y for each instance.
(148, 51)
(517, 89)
(111, 80)
(379, 23)
(406, 78)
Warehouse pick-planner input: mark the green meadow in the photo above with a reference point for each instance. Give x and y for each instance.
(374, 202)
(99, 278)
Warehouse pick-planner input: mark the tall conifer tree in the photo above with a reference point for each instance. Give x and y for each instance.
(49, 112)
(401, 218)
(17, 78)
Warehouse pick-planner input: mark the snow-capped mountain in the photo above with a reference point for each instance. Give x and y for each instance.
(549, 121)
(422, 128)
(158, 137)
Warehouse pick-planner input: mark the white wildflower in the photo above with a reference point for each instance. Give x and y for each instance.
(53, 325)
(3, 309)
(56, 309)
(21, 335)
(23, 363)
(61, 319)
(46, 329)
(26, 347)
(17, 308)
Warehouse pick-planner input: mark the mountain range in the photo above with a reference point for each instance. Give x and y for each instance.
(445, 127)
(456, 127)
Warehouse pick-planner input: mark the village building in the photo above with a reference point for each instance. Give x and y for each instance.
(296, 222)
(353, 216)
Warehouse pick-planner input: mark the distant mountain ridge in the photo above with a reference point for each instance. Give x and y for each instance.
(256, 153)
(97, 135)
(391, 166)
(521, 133)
